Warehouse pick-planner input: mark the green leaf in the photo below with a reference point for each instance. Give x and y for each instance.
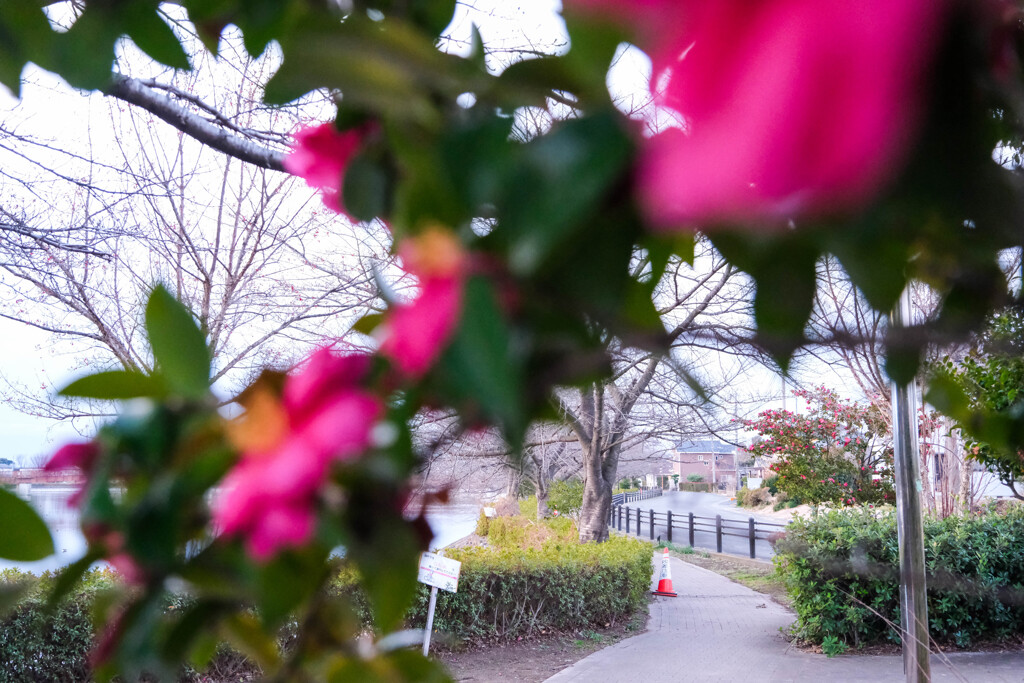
(390, 68)
(784, 268)
(153, 36)
(433, 16)
(366, 191)
(24, 34)
(285, 582)
(560, 179)
(385, 548)
(25, 537)
(84, 56)
(68, 578)
(178, 345)
(10, 594)
(115, 385)
(481, 363)
(368, 323)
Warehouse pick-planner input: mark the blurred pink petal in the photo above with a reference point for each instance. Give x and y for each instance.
(791, 107)
(270, 497)
(415, 333)
(323, 372)
(320, 156)
(280, 527)
(125, 565)
(80, 455)
(418, 331)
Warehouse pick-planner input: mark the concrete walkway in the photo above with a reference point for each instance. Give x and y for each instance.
(717, 630)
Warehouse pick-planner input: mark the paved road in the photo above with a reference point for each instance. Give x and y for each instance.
(705, 505)
(717, 630)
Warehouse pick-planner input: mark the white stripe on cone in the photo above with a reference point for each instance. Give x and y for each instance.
(665, 579)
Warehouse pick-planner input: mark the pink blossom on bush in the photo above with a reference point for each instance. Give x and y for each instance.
(324, 416)
(74, 455)
(415, 333)
(320, 156)
(80, 455)
(791, 107)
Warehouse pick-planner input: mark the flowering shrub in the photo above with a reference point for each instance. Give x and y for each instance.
(866, 129)
(836, 452)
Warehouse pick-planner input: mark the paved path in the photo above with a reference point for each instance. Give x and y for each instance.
(717, 630)
(705, 505)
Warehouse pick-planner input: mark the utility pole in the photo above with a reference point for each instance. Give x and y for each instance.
(910, 528)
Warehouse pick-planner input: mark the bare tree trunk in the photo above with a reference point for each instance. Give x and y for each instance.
(597, 503)
(966, 474)
(543, 511)
(601, 429)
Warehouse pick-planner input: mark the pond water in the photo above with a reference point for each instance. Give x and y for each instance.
(448, 522)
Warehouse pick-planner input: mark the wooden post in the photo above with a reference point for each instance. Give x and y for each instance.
(691, 529)
(909, 524)
(669, 531)
(718, 532)
(753, 537)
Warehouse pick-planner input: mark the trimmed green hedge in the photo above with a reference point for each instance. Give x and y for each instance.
(41, 646)
(504, 593)
(843, 566)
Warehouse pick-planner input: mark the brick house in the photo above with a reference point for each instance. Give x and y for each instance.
(713, 460)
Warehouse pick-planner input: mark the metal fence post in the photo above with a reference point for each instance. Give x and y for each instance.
(652, 524)
(639, 523)
(752, 537)
(909, 524)
(669, 530)
(718, 532)
(691, 529)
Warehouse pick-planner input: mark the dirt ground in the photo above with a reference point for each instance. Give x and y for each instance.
(531, 660)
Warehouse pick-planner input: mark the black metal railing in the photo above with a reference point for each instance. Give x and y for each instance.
(632, 497)
(635, 520)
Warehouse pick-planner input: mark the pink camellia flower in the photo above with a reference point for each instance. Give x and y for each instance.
(790, 107)
(80, 455)
(74, 455)
(320, 157)
(288, 446)
(415, 333)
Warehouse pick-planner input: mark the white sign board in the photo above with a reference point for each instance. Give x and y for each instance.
(440, 572)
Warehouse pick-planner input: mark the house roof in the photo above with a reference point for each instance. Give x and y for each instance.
(705, 446)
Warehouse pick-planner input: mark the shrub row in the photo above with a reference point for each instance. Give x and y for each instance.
(507, 592)
(503, 593)
(42, 645)
(842, 570)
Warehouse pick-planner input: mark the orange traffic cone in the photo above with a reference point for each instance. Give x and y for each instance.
(665, 580)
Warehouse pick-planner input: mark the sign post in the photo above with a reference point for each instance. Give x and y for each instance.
(437, 571)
